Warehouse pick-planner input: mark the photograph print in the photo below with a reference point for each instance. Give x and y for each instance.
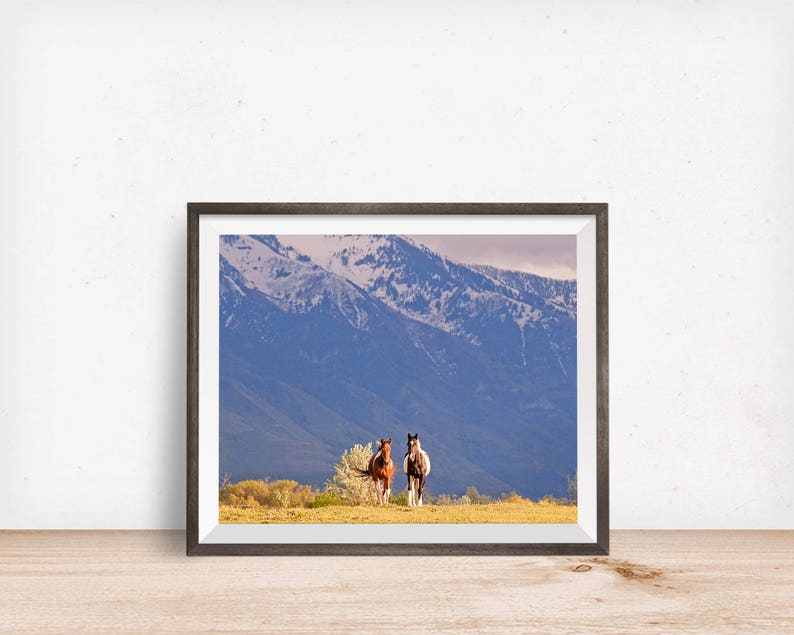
(397, 378)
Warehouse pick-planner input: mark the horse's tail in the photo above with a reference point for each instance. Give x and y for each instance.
(361, 473)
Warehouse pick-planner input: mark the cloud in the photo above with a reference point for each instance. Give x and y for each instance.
(552, 256)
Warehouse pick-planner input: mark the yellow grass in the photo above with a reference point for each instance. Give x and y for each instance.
(504, 512)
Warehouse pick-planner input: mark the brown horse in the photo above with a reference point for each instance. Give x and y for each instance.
(380, 468)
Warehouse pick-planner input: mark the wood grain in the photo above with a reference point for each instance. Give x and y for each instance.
(134, 582)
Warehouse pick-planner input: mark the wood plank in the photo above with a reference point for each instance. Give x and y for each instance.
(132, 582)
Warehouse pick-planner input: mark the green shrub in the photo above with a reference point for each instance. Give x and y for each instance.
(325, 499)
(400, 499)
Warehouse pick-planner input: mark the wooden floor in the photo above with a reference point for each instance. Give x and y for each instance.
(140, 582)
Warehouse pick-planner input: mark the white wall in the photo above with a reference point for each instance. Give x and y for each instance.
(113, 117)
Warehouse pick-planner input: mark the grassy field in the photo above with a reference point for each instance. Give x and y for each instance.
(504, 512)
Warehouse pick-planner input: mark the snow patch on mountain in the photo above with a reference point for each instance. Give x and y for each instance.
(560, 295)
(290, 280)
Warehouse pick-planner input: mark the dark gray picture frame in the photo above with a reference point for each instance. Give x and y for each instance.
(598, 210)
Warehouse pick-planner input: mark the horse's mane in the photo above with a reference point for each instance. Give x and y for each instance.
(379, 454)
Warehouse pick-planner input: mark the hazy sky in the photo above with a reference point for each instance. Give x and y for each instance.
(553, 256)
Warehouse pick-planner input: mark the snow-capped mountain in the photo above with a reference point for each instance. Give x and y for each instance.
(469, 301)
(331, 340)
(289, 279)
(431, 288)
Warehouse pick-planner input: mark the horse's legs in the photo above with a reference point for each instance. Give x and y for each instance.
(411, 494)
(387, 487)
(421, 480)
(379, 485)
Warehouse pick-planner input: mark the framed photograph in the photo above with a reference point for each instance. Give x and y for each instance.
(397, 378)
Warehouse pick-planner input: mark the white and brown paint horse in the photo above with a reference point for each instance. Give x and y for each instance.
(380, 468)
(417, 466)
